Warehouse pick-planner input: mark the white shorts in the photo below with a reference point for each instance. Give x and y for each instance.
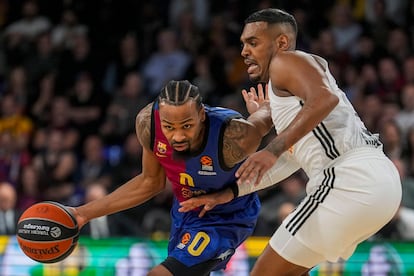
(354, 197)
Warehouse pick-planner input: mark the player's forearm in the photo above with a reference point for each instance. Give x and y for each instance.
(283, 168)
(262, 119)
(134, 192)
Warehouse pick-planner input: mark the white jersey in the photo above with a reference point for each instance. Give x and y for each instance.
(333, 137)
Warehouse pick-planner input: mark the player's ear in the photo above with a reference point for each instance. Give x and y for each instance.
(202, 113)
(283, 42)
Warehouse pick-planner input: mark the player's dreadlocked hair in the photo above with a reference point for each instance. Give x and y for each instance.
(179, 92)
(272, 16)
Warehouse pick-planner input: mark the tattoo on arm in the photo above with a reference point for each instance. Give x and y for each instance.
(143, 126)
(233, 137)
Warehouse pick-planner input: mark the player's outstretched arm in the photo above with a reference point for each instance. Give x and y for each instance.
(280, 171)
(135, 191)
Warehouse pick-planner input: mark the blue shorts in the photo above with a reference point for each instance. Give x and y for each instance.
(213, 237)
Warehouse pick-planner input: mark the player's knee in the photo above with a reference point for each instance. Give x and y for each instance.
(159, 270)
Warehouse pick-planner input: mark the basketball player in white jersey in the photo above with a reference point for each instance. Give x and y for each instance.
(353, 188)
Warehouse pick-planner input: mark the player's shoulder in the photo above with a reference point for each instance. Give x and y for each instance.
(143, 125)
(292, 56)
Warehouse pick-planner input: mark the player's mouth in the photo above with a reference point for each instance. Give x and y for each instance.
(251, 66)
(180, 146)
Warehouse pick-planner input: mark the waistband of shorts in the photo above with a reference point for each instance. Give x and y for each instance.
(360, 152)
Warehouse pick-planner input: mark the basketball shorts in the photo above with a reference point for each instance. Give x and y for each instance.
(349, 201)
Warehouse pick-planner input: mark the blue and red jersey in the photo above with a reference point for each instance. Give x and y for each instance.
(204, 172)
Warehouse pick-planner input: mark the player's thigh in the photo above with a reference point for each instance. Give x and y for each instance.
(271, 263)
(159, 270)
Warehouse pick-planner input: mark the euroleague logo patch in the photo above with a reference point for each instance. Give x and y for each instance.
(206, 163)
(185, 239)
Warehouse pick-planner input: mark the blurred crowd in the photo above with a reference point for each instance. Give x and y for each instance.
(74, 74)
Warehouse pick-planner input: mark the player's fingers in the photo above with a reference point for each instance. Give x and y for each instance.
(202, 213)
(260, 92)
(245, 95)
(259, 177)
(248, 175)
(188, 205)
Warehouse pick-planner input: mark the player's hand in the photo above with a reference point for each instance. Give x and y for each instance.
(79, 218)
(208, 201)
(254, 99)
(255, 166)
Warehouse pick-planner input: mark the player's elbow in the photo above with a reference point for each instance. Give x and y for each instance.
(333, 100)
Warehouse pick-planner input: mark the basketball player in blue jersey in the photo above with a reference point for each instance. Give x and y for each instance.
(198, 149)
(353, 188)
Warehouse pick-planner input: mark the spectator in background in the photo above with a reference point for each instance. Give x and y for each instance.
(397, 45)
(59, 118)
(408, 69)
(344, 28)
(87, 105)
(121, 112)
(13, 158)
(44, 59)
(390, 80)
(64, 33)
(9, 215)
(198, 9)
(407, 182)
(409, 152)
(168, 62)
(28, 188)
(115, 225)
(14, 121)
(188, 24)
(405, 116)
(379, 22)
(325, 45)
(130, 163)
(390, 9)
(56, 167)
(204, 79)
(40, 106)
(93, 166)
(77, 59)
(20, 34)
(18, 87)
(370, 108)
(128, 59)
(390, 136)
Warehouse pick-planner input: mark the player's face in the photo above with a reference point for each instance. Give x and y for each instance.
(257, 50)
(182, 125)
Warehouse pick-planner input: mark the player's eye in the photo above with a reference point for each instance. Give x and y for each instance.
(187, 126)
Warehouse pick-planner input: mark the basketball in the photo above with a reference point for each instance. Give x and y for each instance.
(47, 232)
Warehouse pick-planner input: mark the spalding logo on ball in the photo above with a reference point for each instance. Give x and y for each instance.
(47, 232)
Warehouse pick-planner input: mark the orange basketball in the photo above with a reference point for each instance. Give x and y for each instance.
(47, 232)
